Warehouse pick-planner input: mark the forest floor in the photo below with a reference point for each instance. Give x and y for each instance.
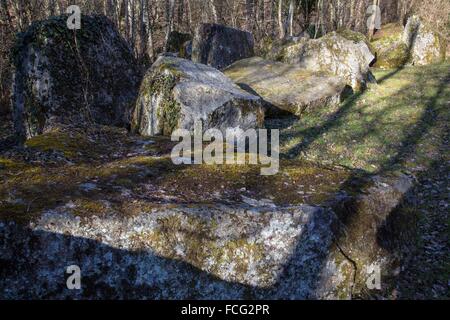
(399, 124)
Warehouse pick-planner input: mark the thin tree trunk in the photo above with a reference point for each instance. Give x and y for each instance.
(291, 17)
(213, 10)
(373, 18)
(281, 23)
(189, 16)
(150, 46)
(170, 9)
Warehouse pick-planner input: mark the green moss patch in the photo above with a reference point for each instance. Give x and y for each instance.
(396, 56)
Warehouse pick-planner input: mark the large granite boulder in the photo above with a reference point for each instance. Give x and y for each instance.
(414, 44)
(76, 77)
(390, 51)
(425, 45)
(211, 251)
(219, 46)
(286, 87)
(334, 53)
(175, 92)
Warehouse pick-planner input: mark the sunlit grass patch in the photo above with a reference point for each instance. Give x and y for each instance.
(396, 118)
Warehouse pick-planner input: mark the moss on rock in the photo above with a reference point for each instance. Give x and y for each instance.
(72, 76)
(176, 93)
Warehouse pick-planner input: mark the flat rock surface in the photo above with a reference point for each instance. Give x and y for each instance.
(139, 226)
(286, 87)
(215, 252)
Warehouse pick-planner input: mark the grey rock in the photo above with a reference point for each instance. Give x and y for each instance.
(176, 92)
(62, 80)
(414, 44)
(286, 87)
(176, 41)
(372, 233)
(335, 54)
(218, 252)
(219, 46)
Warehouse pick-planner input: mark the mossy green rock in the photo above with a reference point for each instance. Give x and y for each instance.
(415, 44)
(72, 76)
(176, 92)
(390, 51)
(270, 48)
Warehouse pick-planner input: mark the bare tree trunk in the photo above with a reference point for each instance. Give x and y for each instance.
(281, 22)
(133, 23)
(318, 17)
(213, 10)
(373, 18)
(291, 17)
(142, 35)
(190, 23)
(150, 45)
(273, 17)
(127, 19)
(170, 9)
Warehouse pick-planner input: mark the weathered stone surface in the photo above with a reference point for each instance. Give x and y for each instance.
(141, 227)
(177, 40)
(226, 251)
(415, 44)
(333, 53)
(67, 77)
(270, 48)
(373, 234)
(219, 46)
(175, 92)
(425, 45)
(286, 87)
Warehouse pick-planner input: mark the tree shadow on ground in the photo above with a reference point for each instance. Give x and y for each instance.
(395, 232)
(34, 262)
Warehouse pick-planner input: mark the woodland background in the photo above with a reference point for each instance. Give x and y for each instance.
(146, 24)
